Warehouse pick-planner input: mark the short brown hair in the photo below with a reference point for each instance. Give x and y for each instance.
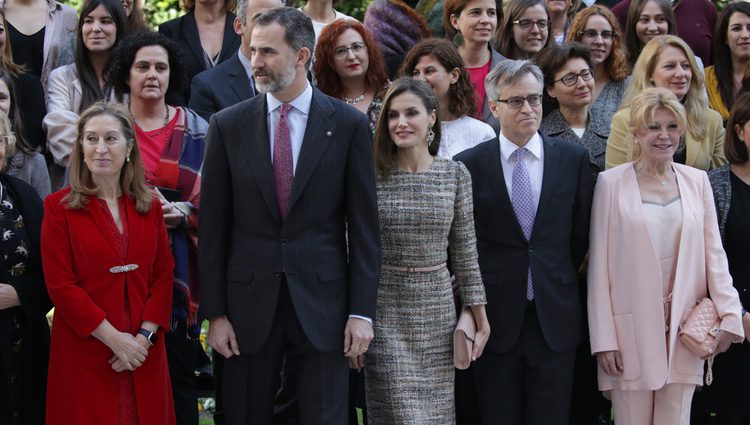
(734, 147)
(385, 149)
(132, 181)
(554, 58)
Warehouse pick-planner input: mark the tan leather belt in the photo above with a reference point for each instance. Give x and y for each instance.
(413, 269)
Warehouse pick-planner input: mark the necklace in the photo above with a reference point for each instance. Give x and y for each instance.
(354, 101)
(160, 130)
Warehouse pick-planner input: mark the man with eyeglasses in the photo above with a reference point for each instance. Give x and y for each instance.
(532, 200)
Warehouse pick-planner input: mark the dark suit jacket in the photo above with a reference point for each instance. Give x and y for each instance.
(246, 247)
(184, 32)
(558, 244)
(220, 87)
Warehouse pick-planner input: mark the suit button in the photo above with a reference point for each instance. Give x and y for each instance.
(277, 273)
(284, 241)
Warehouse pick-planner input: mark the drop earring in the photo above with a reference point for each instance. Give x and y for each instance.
(430, 137)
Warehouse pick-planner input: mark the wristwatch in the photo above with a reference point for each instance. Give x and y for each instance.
(150, 336)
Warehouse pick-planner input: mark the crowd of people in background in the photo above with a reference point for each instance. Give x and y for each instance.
(554, 184)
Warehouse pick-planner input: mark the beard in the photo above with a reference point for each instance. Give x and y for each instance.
(276, 81)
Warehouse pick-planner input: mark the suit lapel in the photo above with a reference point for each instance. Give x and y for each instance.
(101, 219)
(319, 132)
(259, 152)
(239, 82)
(494, 167)
(193, 39)
(549, 177)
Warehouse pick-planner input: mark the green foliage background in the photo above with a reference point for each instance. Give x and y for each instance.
(158, 11)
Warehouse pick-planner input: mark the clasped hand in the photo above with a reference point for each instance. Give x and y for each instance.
(129, 351)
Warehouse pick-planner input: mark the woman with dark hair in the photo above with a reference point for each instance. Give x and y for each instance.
(109, 273)
(136, 21)
(73, 88)
(470, 24)
(24, 333)
(425, 209)
(731, 49)
(205, 35)
(731, 187)
(348, 65)
(569, 83)
(525, 29)
(22, 161)
(31, 105)
(437, 62)
(646, 20)
(146, 66)
(43, 34)
(597, 27)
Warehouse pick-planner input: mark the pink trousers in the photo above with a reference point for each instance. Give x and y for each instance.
(669, 405)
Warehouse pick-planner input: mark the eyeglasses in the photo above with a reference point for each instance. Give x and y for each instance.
(515, 102)
(592, 34)
(356, 48)
(7, 140)
(526, 24)
(571, 79)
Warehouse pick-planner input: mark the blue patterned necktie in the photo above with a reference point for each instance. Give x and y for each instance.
(522, 199)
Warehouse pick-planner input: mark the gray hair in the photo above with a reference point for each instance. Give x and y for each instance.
(298, 28)
(241, 10)
(507, 73)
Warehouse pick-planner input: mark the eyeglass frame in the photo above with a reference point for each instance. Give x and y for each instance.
(509, 101)
(7, 140)
(612, 34)
(343, 51)
(532, 22)
(578, 75)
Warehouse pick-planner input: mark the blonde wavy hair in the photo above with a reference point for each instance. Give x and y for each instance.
(643, 108)
(695, 102)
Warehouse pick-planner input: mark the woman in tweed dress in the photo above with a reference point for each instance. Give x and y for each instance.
(425, 208)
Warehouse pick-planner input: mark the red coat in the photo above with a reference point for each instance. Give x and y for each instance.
(77, 254)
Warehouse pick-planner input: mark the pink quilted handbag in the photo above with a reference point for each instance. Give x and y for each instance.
(699, 331)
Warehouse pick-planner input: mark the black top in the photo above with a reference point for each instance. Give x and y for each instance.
(28, 50)
(737, 237)
(32, 108)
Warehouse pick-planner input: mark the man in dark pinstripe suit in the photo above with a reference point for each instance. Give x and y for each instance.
(288, 269)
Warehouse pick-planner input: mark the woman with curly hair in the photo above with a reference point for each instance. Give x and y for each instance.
(597, 27)
(437, 62)
(349, 66)
(668, 62)
(73, 88)
(147, 66)
(731, 50)
(470, 24)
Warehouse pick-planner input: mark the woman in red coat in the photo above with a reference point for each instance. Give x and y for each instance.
(106, 255)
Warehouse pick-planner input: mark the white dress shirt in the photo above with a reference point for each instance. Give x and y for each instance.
(297, 120)
(534, 163)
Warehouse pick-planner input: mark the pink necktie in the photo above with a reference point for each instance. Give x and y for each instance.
(283, 166)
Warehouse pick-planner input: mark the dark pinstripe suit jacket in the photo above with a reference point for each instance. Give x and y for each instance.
(245, 247)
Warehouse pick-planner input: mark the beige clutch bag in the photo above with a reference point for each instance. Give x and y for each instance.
(699, 331)
(463, 339)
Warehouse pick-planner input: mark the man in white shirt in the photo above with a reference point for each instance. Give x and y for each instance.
(532, 200)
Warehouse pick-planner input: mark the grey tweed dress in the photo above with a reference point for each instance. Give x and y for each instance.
(409, 365)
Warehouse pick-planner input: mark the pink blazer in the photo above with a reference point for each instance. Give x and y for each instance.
(625, 306)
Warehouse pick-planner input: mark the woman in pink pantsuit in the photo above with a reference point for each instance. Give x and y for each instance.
(655, 249)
